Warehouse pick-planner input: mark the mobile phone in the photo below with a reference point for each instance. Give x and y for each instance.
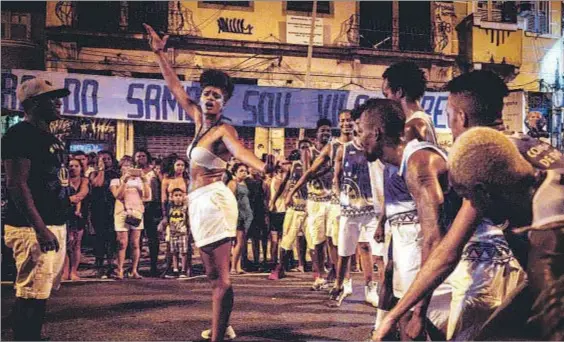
(135, 172)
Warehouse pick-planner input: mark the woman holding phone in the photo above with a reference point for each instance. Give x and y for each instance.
(129, 191)
(212, 206)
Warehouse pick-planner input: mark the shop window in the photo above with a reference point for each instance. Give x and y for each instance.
(323, 7)
(16, 26)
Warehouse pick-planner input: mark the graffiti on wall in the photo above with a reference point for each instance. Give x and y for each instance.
(86, 129)
(233, 25)
(444, 14)
(64, 10)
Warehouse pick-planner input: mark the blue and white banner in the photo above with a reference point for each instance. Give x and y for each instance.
(119, 98)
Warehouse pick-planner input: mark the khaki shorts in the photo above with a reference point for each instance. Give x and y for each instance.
(317, 222)
(38, 273)
(294, 222)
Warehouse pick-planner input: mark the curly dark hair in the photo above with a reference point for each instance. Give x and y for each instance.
(408, 77)
(218, 79)
(324, 122)
(237, 166)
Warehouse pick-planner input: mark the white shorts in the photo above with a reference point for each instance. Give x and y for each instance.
(38, 273)
(213, 214)
(334, 223)
(353, 230)
(121, 226)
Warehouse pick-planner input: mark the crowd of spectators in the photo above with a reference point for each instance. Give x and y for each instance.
(122, 206)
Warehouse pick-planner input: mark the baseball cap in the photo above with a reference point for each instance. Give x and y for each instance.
(37, 86)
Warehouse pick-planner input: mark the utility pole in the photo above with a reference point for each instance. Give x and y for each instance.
(309, 55)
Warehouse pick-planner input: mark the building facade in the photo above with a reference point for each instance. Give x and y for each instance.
(265, 44)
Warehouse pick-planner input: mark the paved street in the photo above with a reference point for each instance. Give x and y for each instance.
(172, 309)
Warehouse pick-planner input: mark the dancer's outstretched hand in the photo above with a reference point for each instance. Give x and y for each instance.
(155, 42)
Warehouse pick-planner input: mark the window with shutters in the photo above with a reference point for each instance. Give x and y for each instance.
(536, 15)
(497, 11)
(16, 26)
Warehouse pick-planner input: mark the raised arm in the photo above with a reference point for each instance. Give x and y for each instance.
(338, 166)
(311, 172)
(158, 44)
(119, 190)
(438, 267)
(97, 177)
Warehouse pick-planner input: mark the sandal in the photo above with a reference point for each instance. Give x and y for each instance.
(134, 276)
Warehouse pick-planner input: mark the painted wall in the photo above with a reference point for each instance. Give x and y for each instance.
(497, 46)
(265, 27)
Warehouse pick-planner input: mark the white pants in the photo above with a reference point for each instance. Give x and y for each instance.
(353, 230)
(407, 240)
(213, 214)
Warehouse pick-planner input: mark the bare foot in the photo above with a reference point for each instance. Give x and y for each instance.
(74, 277)
(66, 276)
(233, 272)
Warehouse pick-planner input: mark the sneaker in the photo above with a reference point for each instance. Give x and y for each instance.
(347, 287)
(101, 273)
(110, 273)
(170, 274)
(277, 273)
(336, 297)
(183, 276)
(371, 293)
(229, 334)
(319, 284)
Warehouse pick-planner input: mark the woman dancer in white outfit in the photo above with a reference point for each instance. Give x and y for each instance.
(213, 220)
